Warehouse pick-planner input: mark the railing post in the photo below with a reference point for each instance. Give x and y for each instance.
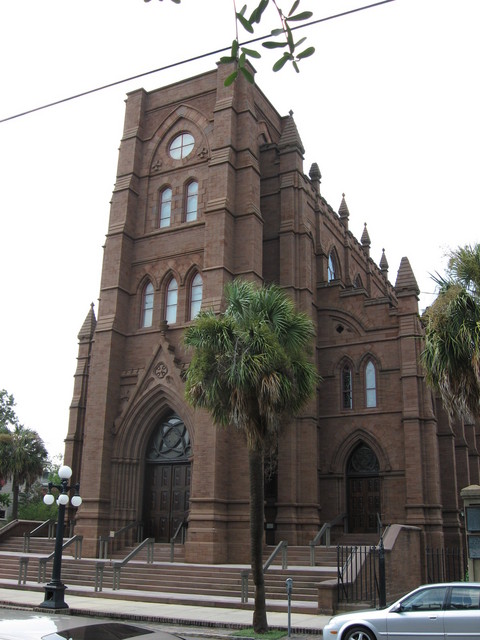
(312, 553)
(22, 571)
(244, 595)
(285, 555)
(26, 543)
(150, 549)
(51, 529)
(42, 570)
(99, 576)
(78, 547)
(116, 577)
(382, 596)
(327, 536)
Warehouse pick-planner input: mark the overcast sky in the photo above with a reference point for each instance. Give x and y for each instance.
(388, 107)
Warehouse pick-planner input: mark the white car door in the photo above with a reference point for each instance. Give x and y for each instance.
(462, 615)
(419, 616)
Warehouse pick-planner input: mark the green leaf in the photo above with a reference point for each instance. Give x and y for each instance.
(245, 23)
(300, 16)
(227, 59)
(294, 7)
(295, 66)
(282, 61)
(306, 53)
(301, 41)
(251, 52)
(244, 8)
(257, 13)
(273, 45)
(248, 76)
(234, 52)
(291, 43)
(230, 79)
(276, 32)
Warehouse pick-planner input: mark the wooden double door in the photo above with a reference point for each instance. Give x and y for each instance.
(167, 496)
(363, 504)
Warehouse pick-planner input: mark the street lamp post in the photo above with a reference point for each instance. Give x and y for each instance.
(55, 589)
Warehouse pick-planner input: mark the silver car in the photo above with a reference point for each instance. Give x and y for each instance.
(23, 625)
(435, 611)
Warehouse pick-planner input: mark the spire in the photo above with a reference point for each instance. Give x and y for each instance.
(384, 264)
(315, 176)
(290, 136)
(365, 239)
(88, 326)
(343, 211)
(406, 282)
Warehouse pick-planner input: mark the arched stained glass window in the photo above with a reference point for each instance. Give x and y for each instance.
(191, 202)
(165, 207)
(170, 441)
(147, 305)
(370, 385)
(171, 302)
(196, 295)
(347, 388)
(332, 267)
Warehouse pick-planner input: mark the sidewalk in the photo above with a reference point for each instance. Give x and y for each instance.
(224, 620)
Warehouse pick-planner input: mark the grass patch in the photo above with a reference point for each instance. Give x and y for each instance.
(250, 633)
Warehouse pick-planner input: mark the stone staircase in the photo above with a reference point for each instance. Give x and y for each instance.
(174, 582)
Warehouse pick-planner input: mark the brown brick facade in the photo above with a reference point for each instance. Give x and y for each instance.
(259, 217)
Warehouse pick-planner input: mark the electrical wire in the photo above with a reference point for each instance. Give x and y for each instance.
(186, 61)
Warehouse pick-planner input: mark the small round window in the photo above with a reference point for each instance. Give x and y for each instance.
(181, 146)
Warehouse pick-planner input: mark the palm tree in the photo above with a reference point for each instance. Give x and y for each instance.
(22, 457)
(451, 357)
(251, 369)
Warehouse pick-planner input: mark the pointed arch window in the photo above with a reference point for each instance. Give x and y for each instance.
(147, 305)
(347, 387)
(191, 201)
(370, 385)
(332, 267)
(196, 293)
(171, 302)
(165, 207)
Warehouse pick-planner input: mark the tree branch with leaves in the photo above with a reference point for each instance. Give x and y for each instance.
(282, 38)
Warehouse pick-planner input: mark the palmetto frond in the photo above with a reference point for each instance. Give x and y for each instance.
(451, 357)
(250, 364)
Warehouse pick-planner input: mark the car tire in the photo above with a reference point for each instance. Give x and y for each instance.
(358, 633)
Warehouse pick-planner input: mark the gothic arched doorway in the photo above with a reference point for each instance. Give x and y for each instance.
(363, 490)
(167, 479)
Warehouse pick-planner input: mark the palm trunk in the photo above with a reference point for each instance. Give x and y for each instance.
(255, 460)
(15, 492)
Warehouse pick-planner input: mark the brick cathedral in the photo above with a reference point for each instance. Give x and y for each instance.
(211, 186)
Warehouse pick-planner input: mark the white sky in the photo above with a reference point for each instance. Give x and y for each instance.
(389, 108)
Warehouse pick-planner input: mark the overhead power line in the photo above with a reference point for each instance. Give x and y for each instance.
(186, 61)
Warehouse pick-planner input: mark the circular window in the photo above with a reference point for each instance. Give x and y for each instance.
(181, 146)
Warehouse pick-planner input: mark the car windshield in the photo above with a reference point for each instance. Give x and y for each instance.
(101, 631)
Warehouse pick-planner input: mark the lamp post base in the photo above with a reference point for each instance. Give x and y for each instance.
(54, 597)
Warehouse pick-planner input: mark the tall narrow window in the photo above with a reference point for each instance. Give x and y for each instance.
(165, 207)
(332, 267)
(171, 305)
(370, 385)
(147, 305)
(191, 205)
(347, 391)
(196, 296)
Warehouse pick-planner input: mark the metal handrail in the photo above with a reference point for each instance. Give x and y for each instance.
(181, 526)
(42, 563)
(324, 531)
(28, 534)
(104, 540)
(117, 566)
(282, 547)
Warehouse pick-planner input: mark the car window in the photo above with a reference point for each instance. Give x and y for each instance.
(465, 598)
(425, 600)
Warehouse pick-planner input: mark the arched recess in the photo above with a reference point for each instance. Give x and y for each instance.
(362, 462)
(363, 484)
(154, 401)
(167, 476)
